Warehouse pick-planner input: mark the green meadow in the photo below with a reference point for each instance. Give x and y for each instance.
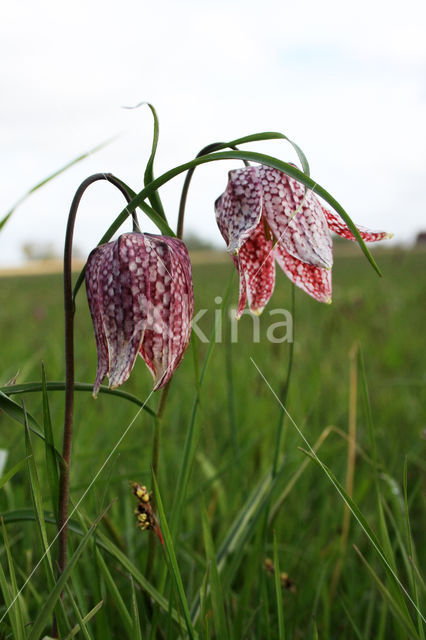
(320, 538)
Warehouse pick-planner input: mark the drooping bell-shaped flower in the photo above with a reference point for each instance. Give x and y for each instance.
(266, 216)
(140, 295)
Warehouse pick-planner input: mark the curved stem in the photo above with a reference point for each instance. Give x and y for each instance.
(286, 388)
(215, 146)
(69, 360)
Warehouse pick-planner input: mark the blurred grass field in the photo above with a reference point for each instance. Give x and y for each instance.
(237, 418)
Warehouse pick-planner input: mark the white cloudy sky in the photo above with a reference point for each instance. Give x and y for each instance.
(347, 82)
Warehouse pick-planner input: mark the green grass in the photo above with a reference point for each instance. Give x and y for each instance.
(210, 579)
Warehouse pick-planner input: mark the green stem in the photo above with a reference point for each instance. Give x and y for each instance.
(284, 394)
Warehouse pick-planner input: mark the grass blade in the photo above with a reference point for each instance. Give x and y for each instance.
(250, 156)
(278, 592)
(125, 616)
(171, 556)
(11, 595)
(9, 474)
(403, 619)
(136, 626)
(35, 387)
(50, 455)
(154, 198)
(80, 620)
(217, 595)
(75, 630)
(51, 177)
(46, 612)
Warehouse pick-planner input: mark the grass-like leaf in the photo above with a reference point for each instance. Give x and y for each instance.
(216, 591)
(137, 633)
(35, 387)
(50, 455)
(11, 594)
(9, 474)
(149, 170)
(171, 556)
(46, 612)
(278, 592)
(75, 630)
(393, 604)
(53, 175)
(252, 156)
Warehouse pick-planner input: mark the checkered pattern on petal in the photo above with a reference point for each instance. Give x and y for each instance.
(340, 227)
(256, 266)
(313, 280)
(130, 305)
(140, 295)
(239, 208)
(98, 260)
(296, 218)
(170, 309)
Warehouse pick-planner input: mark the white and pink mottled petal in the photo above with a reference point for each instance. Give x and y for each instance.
(242, 296)
(295, 218)
(132, 295)
(315, 281)
(257, 268)
(97, 258)
(337, 225)
(239, 208)
(170, 310)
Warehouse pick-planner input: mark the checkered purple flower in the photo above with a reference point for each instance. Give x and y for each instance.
(266, 217)
(140, 295)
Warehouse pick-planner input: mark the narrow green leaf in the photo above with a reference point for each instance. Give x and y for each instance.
(154, 198)
(51, 177)
(35, 387)
(367, 530)
(74, 631)
(15, 411)
(273, 135)
(217, 595)
(50, 455)
(80, 620)
(37, 501)
(9, 474)
(102, 541)
(125, 616)
(171, 556)
(252, 156)
(46, 612)
(137, 633)
(242, 528)
(12, 594)
(405, 620)
(278, 592)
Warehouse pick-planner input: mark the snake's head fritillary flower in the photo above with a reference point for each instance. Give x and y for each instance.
(140, 295)
(265, 216)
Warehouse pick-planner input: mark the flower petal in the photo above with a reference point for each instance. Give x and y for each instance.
(97, 260)
(171, 307)
(128, 295)
(340, 227)
(296, 218)
(239, 208)
(256, 265)
(313, 280)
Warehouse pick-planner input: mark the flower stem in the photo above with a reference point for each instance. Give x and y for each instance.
(286, 387)
(209, 149)
(69, 307)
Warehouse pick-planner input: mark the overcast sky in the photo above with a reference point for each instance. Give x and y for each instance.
(346, 82)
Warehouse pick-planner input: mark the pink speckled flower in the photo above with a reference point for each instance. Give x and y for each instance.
(266, 216)
(140, 295)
